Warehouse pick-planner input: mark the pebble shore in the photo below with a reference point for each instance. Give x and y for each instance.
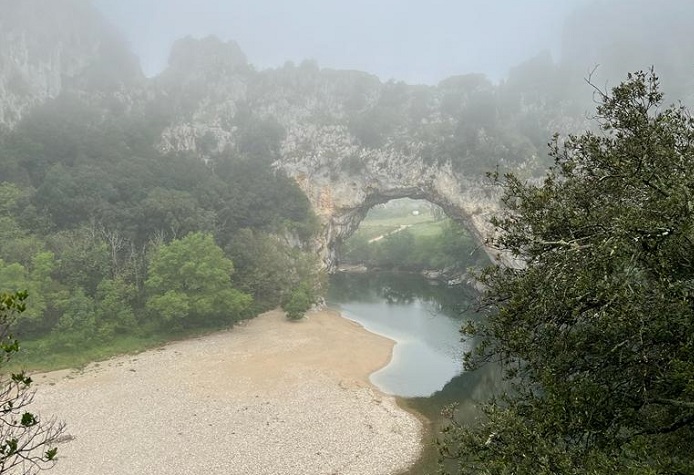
(266, 397)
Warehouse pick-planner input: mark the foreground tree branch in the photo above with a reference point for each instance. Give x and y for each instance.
(27, 442)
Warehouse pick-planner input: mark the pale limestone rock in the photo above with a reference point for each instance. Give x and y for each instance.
(47, 47)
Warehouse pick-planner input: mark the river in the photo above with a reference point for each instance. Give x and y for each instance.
(424, 320)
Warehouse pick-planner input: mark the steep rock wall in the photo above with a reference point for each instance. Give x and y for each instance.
(49, 47)
(341, 199)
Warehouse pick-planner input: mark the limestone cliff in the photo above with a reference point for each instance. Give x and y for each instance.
(48, 47)
(349, 140)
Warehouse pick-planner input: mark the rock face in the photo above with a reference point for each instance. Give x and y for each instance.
(50, 47)
(206, 82)
(349, 141)
(341, 200)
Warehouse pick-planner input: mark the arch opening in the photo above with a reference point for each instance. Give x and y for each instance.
(408, 234)
(341, 199)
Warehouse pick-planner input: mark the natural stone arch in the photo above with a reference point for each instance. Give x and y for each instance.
(341, 199)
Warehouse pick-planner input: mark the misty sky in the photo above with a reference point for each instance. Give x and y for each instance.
(416, 41)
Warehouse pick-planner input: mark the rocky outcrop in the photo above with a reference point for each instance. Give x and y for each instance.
(342, 199)
(48, 47)
(350, 142)
(347, 139)
(203, 88)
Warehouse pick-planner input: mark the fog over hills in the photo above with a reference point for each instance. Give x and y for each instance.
(414, 40)
(213, 88)
(421, 42)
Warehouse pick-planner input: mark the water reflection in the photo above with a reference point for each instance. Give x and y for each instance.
(401, 288)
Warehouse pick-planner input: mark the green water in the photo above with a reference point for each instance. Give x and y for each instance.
(424, 320)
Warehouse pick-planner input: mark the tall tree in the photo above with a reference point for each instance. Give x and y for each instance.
(190, 283)
(596, 331)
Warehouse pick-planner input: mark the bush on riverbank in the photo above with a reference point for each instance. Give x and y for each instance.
(298, 304)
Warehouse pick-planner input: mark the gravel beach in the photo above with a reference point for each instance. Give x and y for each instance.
(266, 397)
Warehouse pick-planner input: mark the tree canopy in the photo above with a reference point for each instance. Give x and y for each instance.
(190, 279)
(88, 203)
(596, 331)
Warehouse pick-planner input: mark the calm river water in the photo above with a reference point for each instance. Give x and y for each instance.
(424, 319)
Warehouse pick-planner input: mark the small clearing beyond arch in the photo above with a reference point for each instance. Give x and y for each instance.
(342, 200)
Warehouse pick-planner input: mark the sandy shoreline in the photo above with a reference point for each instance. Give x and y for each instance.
(267, 397)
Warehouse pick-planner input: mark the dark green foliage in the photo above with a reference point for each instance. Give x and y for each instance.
(27, 441)
(115, 304)
(298, 303)
(85, 258)
(373, 125)
(259, 139)
(268, 268)
(173, 212)
(88, 205)
(36, 277)
(189, 284)
(596, 331)
(255, 196)
(356, 250)
(77, 324)
(396, 250)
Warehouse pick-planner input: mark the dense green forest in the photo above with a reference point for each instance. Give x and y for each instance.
(112, 238)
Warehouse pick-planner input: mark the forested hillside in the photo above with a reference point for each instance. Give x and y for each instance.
(134, 207)
(111, 237)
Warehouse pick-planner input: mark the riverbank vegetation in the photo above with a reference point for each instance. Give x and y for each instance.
(121, 246)
(595, 332)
